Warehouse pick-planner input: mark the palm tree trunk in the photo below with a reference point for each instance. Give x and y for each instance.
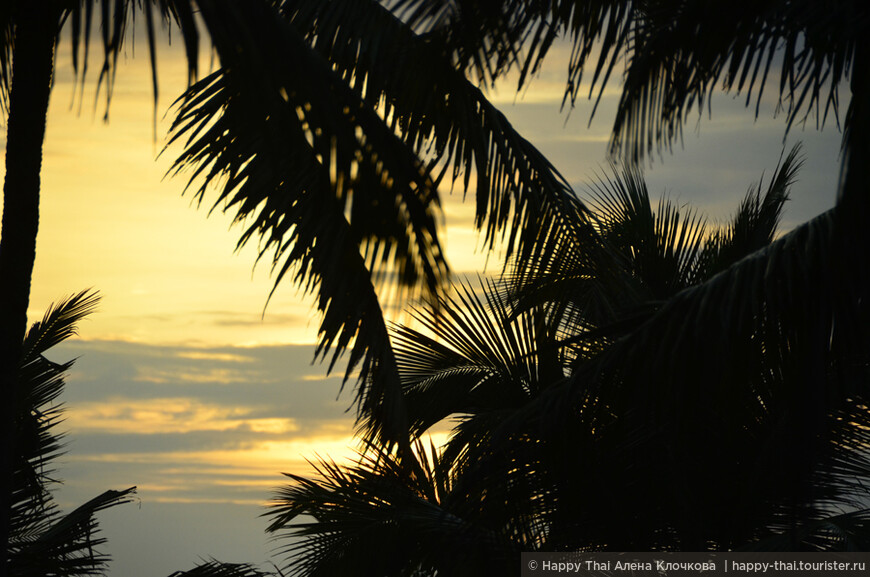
(32, 66)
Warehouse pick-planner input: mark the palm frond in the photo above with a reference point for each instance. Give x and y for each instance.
(446, 118)
(113, 19)
(498, 38)
(681, 52)
(754, 225)
(59, 322)
(676, 54)
(215, 568)
(404, 510)
(480, 357)
(343, 120)
(728, 393)
(442, 117)
(38, 445)
(317, 133)
(614, 264)
(660, 247)
(37, 412)
(257, 141)
(67, 545)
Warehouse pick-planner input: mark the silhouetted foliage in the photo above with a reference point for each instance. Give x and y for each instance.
(320, 134)
(700, 413)
(217, 569)
(43, 540)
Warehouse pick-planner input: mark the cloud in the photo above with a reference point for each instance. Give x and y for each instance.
(211, 375)
(226, 319)
(195, 424)
(212, 356)
(170, 415)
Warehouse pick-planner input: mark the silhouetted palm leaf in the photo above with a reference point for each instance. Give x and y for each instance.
(442, 115)
(478, 358)
(341, 137)
(754, 225)
(217, 569)
(42, 540)
(244, 128)
(65, 544)
(680, 52)
(661, 247)
(387, 515)
(730, 393)
(676, 52)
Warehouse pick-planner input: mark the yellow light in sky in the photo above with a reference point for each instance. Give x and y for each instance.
(111, 220)
(168, 415)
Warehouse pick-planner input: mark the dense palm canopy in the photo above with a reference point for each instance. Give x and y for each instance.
(704, 408)
(344, 140)
(674, 54)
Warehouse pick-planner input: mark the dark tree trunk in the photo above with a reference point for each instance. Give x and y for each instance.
(32, 65)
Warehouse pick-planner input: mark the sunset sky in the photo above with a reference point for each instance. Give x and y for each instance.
(184, 387)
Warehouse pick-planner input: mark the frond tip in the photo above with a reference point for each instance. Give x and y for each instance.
(214, 568)
(59, 322)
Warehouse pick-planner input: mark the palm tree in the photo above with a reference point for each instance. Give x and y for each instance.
(42, 540)
(735, 367)
(803, 297)
(723, 383)
(567, 434)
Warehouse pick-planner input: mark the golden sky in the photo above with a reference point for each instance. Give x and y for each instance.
(111, 220)
(184, 387)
